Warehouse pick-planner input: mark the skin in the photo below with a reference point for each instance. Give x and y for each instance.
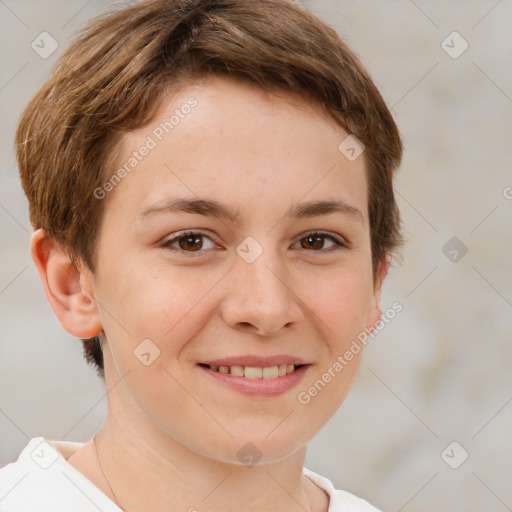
(171, 430)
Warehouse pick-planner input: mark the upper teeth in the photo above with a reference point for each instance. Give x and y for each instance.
(256, 372)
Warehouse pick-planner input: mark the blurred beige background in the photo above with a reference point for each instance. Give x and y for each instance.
(440, 372)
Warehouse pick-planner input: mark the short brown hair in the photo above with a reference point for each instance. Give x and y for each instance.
(115, 74)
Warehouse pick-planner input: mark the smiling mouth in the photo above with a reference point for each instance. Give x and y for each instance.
(255, 372)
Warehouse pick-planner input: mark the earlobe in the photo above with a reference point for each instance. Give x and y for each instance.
(64, 287)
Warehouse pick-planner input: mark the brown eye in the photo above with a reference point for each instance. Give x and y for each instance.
(312, 242)
(191, 242)
(315, 242)
(188, 242)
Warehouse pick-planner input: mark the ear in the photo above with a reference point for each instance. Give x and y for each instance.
(67, 288)
(375, 311)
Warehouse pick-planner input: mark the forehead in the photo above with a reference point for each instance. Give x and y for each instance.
(246, 147)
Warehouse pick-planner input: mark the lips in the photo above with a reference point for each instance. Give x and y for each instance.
(255, 368)
(263, 381)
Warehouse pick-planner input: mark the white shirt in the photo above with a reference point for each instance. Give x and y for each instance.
(42, 480)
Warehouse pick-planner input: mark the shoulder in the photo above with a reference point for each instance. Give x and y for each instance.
(42, 481)
(339, 501)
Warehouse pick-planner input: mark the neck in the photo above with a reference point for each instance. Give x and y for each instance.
(149, 470)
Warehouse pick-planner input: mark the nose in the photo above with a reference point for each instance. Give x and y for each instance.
(260, 297)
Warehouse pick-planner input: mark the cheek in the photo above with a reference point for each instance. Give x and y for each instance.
(156, 297)
(340, 302)
(340, 307)
(157, 303)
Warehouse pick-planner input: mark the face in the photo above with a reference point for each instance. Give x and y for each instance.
(212, 257)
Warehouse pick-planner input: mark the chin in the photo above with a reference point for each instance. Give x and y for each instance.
(248, 450)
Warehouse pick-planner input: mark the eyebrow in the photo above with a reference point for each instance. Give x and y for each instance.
(213, 208)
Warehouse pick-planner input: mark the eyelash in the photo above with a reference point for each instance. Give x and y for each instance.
(339, 244)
